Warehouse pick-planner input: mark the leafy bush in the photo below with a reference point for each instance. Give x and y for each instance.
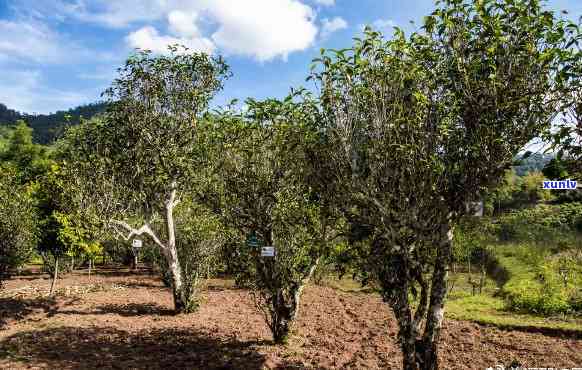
(543, 223)
(18, 222)
(541, 283)
(472, 238)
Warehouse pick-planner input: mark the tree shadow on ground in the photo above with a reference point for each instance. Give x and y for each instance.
(548, 332)
(19, 309)
(126, 310)
(112, 271)
(89, 348)
(142, 284)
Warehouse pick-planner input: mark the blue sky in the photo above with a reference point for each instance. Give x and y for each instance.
(58, 54)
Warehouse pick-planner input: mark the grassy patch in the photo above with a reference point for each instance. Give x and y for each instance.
(488, 310)
(533, 297)
(536, 283)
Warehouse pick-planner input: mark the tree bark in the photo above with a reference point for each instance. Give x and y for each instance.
(428, 351)
(422, 353)
(281, 320)
(406, 328)
(285, 312)
(55, 276)
(180, 298)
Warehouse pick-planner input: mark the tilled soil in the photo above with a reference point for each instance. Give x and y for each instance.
(120, 320)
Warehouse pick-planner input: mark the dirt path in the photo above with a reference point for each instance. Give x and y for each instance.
(118, 320)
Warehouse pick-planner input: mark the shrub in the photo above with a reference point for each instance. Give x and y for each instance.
(537, 285)
(18, 223)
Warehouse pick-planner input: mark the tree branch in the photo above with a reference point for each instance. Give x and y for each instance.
(145, 229)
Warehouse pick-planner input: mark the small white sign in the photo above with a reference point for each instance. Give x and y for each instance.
(475, 208)
(268, 252)
(136, 243)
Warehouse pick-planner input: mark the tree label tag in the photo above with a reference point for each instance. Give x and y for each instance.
(475, 208)
(268, 252)
(136, 243)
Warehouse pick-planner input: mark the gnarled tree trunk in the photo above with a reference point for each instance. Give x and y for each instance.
(428, 350)
(421, 352)
(285, 307)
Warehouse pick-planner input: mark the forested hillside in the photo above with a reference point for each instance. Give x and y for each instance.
(535, 162)
(48, 126)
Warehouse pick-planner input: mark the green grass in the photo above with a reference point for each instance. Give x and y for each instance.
(524, 291)
(488, 310)
(535, 283)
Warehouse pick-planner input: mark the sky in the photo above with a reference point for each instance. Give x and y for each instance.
(58, 54)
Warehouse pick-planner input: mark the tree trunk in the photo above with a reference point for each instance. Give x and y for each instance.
(428, 347)
(134, 262)
(422, 353)
(180, 298)
(406, 326)
(281, 320)
(55, 276)
(285, 313)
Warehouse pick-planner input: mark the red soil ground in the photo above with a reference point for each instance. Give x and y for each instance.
(119, 320)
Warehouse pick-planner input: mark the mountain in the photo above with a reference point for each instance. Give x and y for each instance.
(535, 162)
(47, 127)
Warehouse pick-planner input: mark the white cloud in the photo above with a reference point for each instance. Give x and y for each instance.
(114, 13)
(330, 26)
(149, 38)
(384, 25)
(263, 29)
(183, 23)
(30, 41)
(26, 91)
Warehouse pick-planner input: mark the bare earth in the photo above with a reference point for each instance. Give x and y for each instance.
(119, 320)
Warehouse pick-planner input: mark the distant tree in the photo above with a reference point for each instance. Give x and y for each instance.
(504, 195)
(18, 224)
(8, 116)
(50, 127)
(30, 159)
(142, 158)
(530, 162)
(52, 204)
(47, 128)
(421, 126)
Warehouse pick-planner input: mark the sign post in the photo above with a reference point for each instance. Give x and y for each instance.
(136, 244)
(268, 251)
(252, 241)
(475, 208)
